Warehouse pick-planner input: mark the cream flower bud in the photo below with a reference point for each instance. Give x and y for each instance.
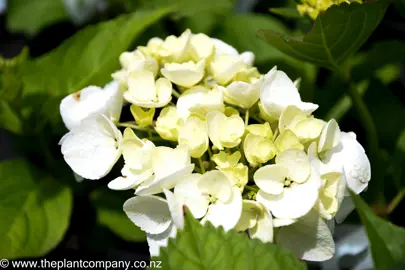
(225, 131)
(303, 125)
(186, 74)
(225, 160)
(258, 149)
(143, 117)
(238, 175)
(257, 219)
(137, 61)
(168, 123)
(200, 100)
(288, 140)
(263, 130)
(176, 49)
(225, 67)
(224, 48)
(243, 94)
(89, 101)
(278, 92)
(144, 91)
(193, 134)
(201, 47)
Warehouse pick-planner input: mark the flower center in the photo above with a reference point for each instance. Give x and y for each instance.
(287, 182)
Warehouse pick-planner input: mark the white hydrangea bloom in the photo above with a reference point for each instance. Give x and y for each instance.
(92, 100)
(309, 238)
(289, 188)
(199, 100)
(350, 155)
(223, 48)
(212, 197)
(278, 92)
(144, 91)
(92, 148)
(158, 217)
(186, 74)
(169, 167)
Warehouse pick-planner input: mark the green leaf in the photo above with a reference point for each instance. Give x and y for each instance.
(34, 211)
(387, 241)
(108, 205)
(337, 33)
(87, 58)
(9, 120)
(239, 31)
(30, 16)
(205, 247)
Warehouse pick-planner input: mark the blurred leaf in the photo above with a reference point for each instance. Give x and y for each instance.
(34, 211)
(87, 58)
(387, 241)
(376, 60)
(287, 12)
(386, 111)
(239, 30)
(203, 22)
(337, 33)
(9, 119)
(30, 16)
(344, 104)
(206, 247)
(108, 205)
(189, 7)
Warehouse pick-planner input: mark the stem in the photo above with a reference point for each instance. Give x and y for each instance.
(133, 126)
(257, 119)
(395, 202)
(251, 188)
(246, 117)
(175, 93)
(372, 140)
(200, 162)
(366, 119)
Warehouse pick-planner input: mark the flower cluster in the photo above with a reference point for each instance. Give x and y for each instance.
(312, 8)
(238, 148)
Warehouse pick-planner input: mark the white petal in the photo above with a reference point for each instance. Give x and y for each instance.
(264, 227)
(168, 182)
(156, 241)
(92, 148)
(176, 209)
(225, 214)
(216, 184)
(309, 239)
(248, 58)
(278, 92)
(297, 163)
(187, 193)
(250, 212)
(89, 101)
(350, 154)
(346, 207)
(295, 201)
(224, 48)
(330, 136)
(270, 178)
(281, 222)
(150, 213)
(129, 180)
